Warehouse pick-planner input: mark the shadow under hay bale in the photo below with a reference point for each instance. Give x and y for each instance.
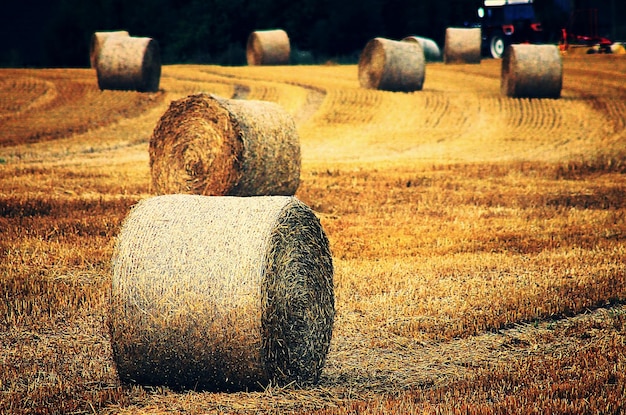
(392, 65)
(97, 39)
(268, 47)
(215, 146)
(221, 293)
(129, 63)
(432, 53)
(462, 45)
(531, 71)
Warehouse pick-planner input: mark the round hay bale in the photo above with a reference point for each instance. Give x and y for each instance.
(213, 146)
(129, 63)
(97, 39)
(531, 71)
(392, 65)
(462, 45)
(268, 47)
(221, 293)
(432, 53)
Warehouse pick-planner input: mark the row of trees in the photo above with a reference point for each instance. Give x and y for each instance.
(215, 31)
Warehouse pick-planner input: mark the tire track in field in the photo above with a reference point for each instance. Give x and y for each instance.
(314, 95)
(605, 91)
(68, 103)
(24, 93)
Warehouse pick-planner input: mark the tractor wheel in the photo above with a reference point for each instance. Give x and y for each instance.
(497, 45)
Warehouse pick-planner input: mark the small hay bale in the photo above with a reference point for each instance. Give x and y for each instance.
(432, 53)
(97, 39)
(268, 47)
(214, 146)
(531, 71)
(392, 65)
(129, 63)
(221, 293)
(462, 45)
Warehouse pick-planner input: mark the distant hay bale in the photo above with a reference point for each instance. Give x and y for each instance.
(268, 47)
(462, 45)
(432, 53)
(96, 43)
(531, 71)
(129, 63)
(214, 146)
(221, 293)
(392, 65)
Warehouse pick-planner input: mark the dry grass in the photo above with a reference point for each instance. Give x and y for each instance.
(478, 240)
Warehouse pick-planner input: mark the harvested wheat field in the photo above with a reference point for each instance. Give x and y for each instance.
(478, 240)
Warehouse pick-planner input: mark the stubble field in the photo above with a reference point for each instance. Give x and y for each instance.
(478, 240)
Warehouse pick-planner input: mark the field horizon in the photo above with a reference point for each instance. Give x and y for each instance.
(478, 240)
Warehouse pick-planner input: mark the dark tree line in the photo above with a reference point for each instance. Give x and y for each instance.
(56, 33)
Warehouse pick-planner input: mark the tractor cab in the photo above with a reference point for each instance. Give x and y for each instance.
(504, 22)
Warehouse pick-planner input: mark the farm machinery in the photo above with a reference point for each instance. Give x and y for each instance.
(504, 22)
(582, 32)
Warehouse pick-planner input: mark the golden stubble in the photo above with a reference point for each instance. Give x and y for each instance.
(472, 236)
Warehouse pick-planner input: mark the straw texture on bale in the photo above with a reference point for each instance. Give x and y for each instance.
(129, 63)
(432, 53)
(96, 42)
(221, 293)
(268, 47)
(531, 71)
(462, 45)
(392, 65)
(212, 146)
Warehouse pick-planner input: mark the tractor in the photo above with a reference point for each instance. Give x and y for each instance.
(504, 22)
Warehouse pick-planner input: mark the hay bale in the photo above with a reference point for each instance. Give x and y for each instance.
(97, 39)
(213, 146)
(129, 63)
(268, 47)
(432, 53)
(392, 65)
(462, 45)
(221, 293)
(531, 71)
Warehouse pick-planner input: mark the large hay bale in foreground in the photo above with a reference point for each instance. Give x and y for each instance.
(221, 293)
(531, 71)
(462, 45)
(208, 145)
(432, 53)
(392, 65)
(129, 63)
(97, 39)
(268, 47)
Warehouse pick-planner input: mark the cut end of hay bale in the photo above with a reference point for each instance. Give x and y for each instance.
(268, 47)
(97, 39)
(129, 63)
(432, 53)
(531, 71)
(462, 45)
(213, 146)
(392, 65)
(221, 293)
